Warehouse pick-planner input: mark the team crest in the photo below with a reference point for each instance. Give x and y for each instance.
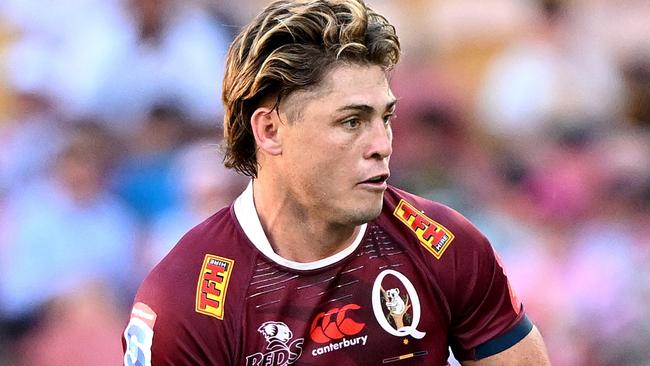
(139, 336)
(396, 304)
(281, 350)
(213, 285)
(433, 236)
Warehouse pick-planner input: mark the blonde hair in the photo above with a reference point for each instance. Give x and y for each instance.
(289, 46)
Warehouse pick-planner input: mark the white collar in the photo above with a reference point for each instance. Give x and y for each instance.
(249, 221)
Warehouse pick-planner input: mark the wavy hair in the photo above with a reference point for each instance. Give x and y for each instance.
(289, 46)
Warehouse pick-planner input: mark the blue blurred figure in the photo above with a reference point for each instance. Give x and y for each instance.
(65, 237)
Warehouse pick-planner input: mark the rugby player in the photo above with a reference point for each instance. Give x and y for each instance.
(320, 261)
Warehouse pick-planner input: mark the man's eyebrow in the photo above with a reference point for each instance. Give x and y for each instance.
(365, 108)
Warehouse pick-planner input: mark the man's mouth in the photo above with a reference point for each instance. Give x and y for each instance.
(377, 179)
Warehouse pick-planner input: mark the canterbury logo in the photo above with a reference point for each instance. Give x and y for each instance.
(327, 327)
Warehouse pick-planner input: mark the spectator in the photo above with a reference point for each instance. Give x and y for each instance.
(169, 50)
(146, 179)
(206, 186)
(65, 237)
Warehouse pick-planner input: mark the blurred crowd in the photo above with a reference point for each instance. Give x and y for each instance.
(532, 118)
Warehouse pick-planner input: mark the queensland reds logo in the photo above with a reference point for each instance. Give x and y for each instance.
(281, 350)
(326, 327)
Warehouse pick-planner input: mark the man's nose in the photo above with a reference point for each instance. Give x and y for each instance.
(380, 140)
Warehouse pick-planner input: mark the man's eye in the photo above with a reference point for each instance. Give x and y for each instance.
(352, 123)
(388, 118)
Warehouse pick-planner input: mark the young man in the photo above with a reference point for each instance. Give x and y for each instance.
(319, 261)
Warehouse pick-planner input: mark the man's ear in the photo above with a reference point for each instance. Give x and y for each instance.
(265, 123)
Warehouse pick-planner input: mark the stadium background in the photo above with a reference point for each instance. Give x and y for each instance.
(530, 117)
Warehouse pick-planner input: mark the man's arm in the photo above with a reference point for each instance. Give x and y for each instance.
(530, 351)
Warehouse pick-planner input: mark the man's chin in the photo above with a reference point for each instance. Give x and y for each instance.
(368, 214)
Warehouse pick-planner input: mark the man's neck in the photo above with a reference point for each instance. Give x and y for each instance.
(296, 233)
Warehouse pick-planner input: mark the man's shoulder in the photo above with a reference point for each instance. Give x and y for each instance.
(218, 233)
(193, 295)
(406, 206)
(436, 227)
(217, 242)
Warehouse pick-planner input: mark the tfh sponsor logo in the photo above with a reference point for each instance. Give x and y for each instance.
(433, 236)
(213, 285)
(281, 350)
(336, 328)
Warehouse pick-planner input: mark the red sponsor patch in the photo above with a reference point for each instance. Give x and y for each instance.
(213, 285)
(433, 236)
(335, 324)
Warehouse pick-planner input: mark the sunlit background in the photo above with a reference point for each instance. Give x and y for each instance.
(532, 118)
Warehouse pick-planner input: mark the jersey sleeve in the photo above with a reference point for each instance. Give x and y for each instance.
(172, 322)
(165, 330)
(487, 316)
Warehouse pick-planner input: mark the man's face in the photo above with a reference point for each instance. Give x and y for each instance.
(336, 143)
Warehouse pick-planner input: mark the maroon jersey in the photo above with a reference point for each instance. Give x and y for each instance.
(416, 280)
